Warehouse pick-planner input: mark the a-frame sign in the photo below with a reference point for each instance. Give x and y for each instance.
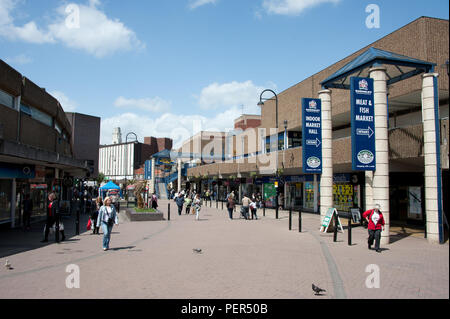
(327, 220)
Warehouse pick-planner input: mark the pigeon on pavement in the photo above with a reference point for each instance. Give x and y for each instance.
(8, 265)
(317, 290)
(197, 250)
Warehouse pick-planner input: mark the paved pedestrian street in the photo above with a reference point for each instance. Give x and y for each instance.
(239, 259)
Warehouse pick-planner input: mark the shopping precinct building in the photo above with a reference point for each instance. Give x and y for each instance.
(41, 150)
(409, 68)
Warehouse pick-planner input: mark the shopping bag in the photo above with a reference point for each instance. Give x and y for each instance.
(89, 224)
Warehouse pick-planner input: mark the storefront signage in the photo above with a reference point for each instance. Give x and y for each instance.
(363, 124)
(148, 170)
(312, 135)
(17, 171)
(328, 219)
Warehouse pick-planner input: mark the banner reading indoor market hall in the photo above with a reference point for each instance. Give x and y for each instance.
(312, 135)
(363, 124)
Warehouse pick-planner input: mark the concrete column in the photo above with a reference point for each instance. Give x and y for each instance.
(179, 174)
(326, 179)
(152, 181)
(431, 153)
(13, 203)
(380, 181)
(316, 194)
(368, 191)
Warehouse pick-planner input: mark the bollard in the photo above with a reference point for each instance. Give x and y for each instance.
(349, 231)
(264, 209)
(77, 223)
(217, 204)
(290, 218)
(168, 211)
(276, 212)
(299, 221)
(57, 227)
(335, 228)
(222, 205)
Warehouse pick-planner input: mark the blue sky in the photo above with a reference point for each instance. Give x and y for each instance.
(171, 68)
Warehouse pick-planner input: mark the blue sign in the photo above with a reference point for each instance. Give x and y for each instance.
(363, 124)
(312, 135)
(17, 171)
(148, 170)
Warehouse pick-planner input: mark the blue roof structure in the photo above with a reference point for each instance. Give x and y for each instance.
(109, 185)
(399, 67)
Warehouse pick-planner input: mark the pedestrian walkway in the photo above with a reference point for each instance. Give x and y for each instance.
(239, 259)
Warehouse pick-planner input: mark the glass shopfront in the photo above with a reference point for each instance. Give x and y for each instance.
(5, 200)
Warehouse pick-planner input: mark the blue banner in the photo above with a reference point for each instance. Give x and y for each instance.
(148, 170)
(17, 171)
(363, 124)
(312, 135)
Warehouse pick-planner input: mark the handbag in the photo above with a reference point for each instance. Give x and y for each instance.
(89, 224)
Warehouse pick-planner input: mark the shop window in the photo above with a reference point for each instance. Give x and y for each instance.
(37, 115)
(6, 99)
(5, 200)
(58, 128)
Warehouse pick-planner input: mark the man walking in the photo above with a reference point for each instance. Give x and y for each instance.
(376, 223)
(180, 201)
(245, 206)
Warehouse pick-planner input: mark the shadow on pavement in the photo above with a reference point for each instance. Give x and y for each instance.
(16, 241)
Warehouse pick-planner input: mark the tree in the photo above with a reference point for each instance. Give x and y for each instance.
(100, 178)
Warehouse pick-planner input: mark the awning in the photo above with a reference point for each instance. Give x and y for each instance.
(398, 68)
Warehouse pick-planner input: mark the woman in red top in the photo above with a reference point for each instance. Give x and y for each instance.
(376, 223)
(52, 215)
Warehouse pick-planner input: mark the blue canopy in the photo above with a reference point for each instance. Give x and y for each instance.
(109, 185)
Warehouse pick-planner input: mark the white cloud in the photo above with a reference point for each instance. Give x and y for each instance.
(67, 104)
(292, 7)
(28, 32)
(176, 126)
(20, 59)
(232, 94)
(95, 33)
(156, 104)
(198, 3)
(227, 97)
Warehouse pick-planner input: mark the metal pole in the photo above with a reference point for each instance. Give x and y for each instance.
(290, 218)
(300, 221)
(276, 206)
(57, 227)
(264, 208)
(349, 231)
(222, 204)
(335, 228)
(77, 223)
(168, 211)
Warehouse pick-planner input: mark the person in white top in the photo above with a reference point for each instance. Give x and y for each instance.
(107, 217)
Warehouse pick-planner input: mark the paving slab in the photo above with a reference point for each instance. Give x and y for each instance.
(239, 259)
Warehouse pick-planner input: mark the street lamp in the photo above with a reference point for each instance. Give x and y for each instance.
(261, 103)
(125, 162)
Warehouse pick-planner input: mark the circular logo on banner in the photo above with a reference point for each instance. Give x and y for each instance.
(26, 170)
(365, 157)
(313, 162)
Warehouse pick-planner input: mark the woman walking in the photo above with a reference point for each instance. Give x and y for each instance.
(197, 206)
(107, 217)
(231, 204)
(52, 217)
(94, 216)
(154, 201)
